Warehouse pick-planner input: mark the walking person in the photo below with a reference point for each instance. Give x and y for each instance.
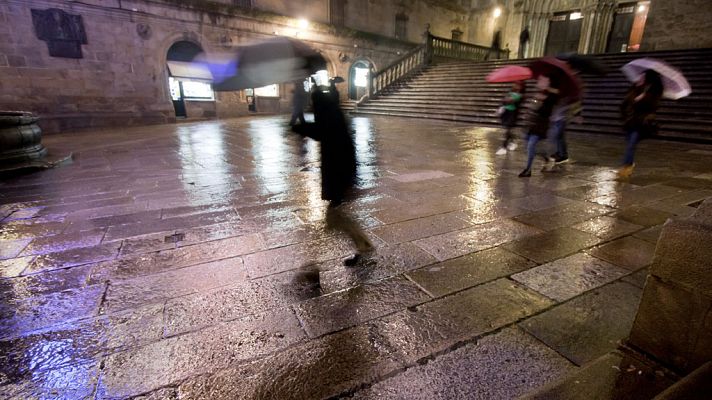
(510, 113)
(545, 101)
(338, 167)
(567, 110)
(638, 113)
(299, 98)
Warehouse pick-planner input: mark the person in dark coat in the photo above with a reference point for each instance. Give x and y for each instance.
(338, 167)
(338, 154)
(545, 101)
(638, 113)
(510, 113)
(299, 97)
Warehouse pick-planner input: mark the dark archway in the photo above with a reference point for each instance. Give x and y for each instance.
(182, 51)
(359, 74)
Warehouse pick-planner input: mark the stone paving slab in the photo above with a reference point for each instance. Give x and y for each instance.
(476, 238)
(589, 326)
(356, 305)
(467, 271)
(501, 366)
(551, 245)
(627, 252)
(192, 268)
(568, 277)
(174, 359)
(438, 325)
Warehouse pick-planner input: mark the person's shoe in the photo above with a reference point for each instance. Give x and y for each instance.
(511, 146)
(353, 260)
(626, 171)
(561, 159)
(526, 173)
(501, 151)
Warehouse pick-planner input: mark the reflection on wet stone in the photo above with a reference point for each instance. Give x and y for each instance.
(208, 350)
(219, 278)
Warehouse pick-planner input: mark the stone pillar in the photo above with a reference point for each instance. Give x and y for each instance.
(538, 30)
(674, 320)
(601, 29)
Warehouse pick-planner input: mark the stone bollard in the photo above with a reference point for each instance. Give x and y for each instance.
(674, 320)
(20, 138)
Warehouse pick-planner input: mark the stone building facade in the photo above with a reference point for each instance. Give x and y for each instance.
(122, 75)
(104, 62)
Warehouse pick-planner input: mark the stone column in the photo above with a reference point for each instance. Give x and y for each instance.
(538, 30)
(602, 26)
(590, 19)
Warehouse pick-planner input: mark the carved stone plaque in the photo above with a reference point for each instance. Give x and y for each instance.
(63, 32)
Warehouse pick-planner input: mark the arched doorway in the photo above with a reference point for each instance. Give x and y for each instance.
(359, 74)
(187, 80)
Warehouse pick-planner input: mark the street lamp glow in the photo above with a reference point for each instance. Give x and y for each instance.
(303, 24)
(497, 12)
(641, 8)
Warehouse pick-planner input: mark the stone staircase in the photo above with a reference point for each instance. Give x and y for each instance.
(457, 91)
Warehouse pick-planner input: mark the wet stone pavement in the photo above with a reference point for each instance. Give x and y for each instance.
(195, 261)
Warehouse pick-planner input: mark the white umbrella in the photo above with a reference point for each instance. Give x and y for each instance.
(675, 86)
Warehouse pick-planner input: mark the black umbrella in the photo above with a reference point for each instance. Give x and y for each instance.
(278, 60)
(585, 64)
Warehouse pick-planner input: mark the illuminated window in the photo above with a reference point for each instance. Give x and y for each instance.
(267, 91)
(197, 90)
(174, 85)
(575, 15)
(361, 77)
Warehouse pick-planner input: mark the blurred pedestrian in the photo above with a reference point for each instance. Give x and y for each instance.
(545, 101)
(496, 45)
(299, 98)
(509, 114)
(338, 166)
(338, 154)
(568, 109)
(523, 41)
(638, 113)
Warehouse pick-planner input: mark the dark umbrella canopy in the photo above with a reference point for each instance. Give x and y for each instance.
(585, 64)
(567, 82)
(278, 60)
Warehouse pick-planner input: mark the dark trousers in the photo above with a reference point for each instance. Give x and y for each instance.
(632, 139)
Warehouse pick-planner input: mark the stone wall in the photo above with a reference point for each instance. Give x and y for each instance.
(674, 321)
(674, 24)
(122, 78)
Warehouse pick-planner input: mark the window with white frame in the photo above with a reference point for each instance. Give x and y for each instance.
(267, 91)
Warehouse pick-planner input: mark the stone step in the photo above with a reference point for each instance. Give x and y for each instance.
(457, 90)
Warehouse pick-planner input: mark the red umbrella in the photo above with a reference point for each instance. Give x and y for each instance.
(569, 84)
(511, 73)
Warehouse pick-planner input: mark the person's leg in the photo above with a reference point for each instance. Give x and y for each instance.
(531, 153)
(561, 148)
(531, 150)
(626, 170)
(301, 119)
(632, 138)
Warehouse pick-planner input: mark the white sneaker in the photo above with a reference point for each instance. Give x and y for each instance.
(501, 151)
(511, 146)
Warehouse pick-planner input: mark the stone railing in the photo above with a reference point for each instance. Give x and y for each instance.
(447, 48)
(409, 63)
(421, 56)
